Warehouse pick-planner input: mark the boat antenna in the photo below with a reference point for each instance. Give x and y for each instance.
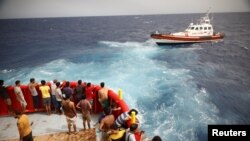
(208, 11)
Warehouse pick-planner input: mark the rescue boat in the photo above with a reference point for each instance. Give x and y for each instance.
(200, 32)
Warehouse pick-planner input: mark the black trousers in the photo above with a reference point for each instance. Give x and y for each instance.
(28, 137)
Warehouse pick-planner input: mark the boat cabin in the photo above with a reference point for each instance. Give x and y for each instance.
(203, 28)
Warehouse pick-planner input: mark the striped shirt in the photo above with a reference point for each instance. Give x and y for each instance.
(121, 120)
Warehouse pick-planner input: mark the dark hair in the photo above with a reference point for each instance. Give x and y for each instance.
(18, 112)
(88, 84)
(1, 82)
(113, 105)
(79, 82)
(102, 84)
(55, 81)
(133, 110)
(67, 96)
(43, 82)
(32, 79)
(17, 82)
(83, 96)
(67, 84)
(114, 126)
(107, 110)
(133, 127)
(156, 138)
(58, 84)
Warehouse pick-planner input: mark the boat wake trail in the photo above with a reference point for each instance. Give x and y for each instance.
(169, 102)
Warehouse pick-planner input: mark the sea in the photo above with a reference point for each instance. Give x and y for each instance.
(178, 90)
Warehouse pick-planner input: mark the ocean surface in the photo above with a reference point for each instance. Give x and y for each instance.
(178, 90)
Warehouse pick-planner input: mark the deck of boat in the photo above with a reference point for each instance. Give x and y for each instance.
(48, 128)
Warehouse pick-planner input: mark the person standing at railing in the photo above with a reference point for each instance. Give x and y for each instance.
(103, 96)
(68, 91)
(32, 87)
(19, 95)
(4, 95)
(89, 93)
(79, 91)
(59, 97)
(53, 95)
(46, 96)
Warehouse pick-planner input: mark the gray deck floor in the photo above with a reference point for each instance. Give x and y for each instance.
(42, 124)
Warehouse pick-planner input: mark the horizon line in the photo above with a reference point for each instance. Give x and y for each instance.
(50, 17)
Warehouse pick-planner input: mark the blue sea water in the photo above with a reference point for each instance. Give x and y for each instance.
(178, 90)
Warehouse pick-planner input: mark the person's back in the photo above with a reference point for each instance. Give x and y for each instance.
(79, 91)
(68, 108)
(45, 91)
(67, 90)
(107, 122)
(24, 127)
(32, 87)
(69, 112)
(53, 87)
(89, 92)
(103, 96)
(5, 96)
(85, 106)
(134, 133)
(24, 124)
(19, 95)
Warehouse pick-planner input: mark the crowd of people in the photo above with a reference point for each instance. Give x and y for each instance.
(113, 125)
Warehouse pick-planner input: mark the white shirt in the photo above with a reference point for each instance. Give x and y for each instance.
(19, 92)
(53, 89)
(58, 94)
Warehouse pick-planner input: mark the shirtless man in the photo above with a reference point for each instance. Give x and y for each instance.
(86, 107)
(70, 112)
(106, 123)
(103, 95)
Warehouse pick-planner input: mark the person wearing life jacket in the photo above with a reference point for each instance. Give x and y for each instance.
(134, 133)
(116, 133)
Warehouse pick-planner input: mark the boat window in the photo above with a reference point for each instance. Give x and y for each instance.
(209, 28)
(192, 28)
(201, 28)
(205, 28)
(196, 28)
